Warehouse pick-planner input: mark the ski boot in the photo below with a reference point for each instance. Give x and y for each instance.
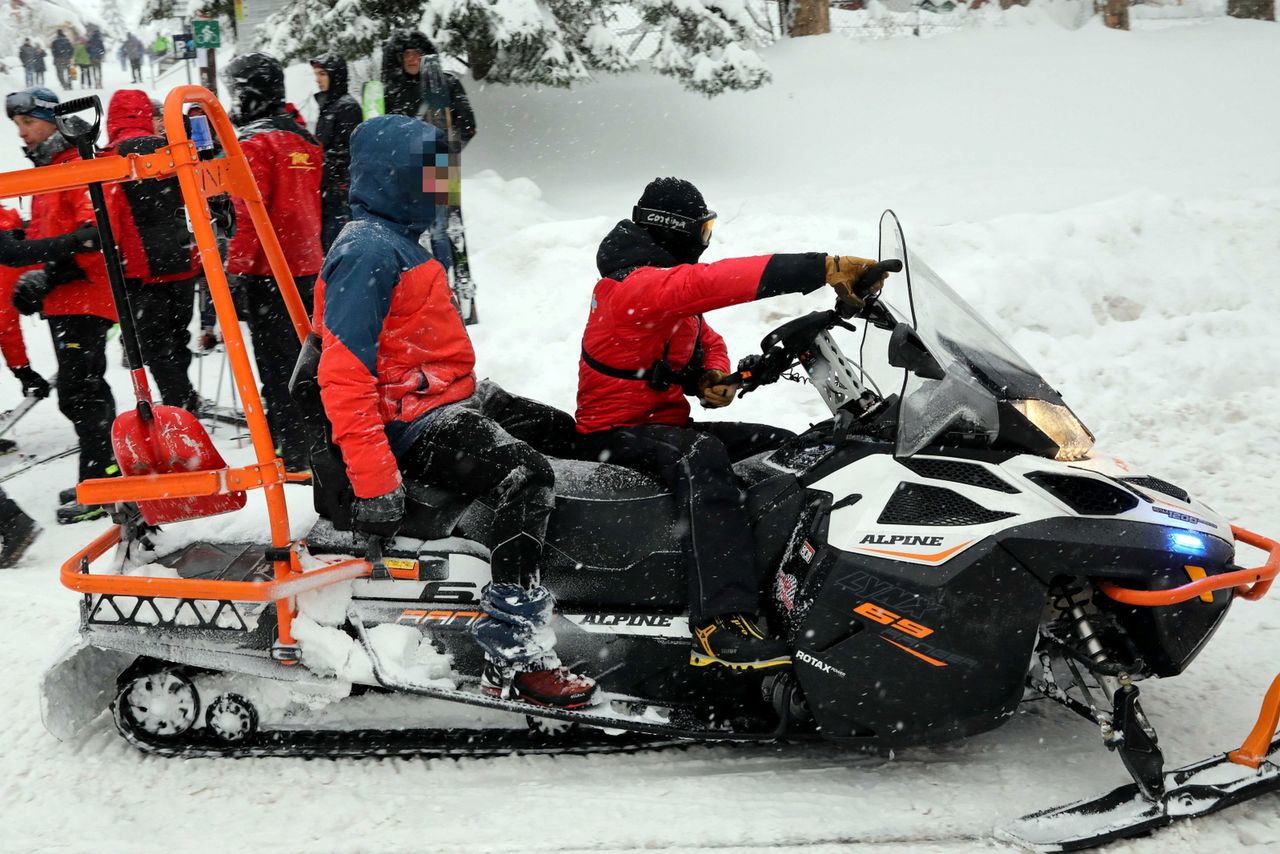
(17, 532)
(556, 687)
(71, 511)
(736, 642)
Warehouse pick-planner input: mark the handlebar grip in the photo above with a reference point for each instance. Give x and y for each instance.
(83, 141)
(874, 274)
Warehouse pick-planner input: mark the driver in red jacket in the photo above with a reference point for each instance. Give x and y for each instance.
(645, 349)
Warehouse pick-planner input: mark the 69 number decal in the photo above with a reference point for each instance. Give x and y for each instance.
(885, 617)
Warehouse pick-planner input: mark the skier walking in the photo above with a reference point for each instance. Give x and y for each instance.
(287, 164)
(27, 56)
(134, 51)
(645, 347)
(339, 115)
(73, 293)
(97, 52)
(157, 251)
(63, 50)
(84, 64)
(40, 54)
(397, 378)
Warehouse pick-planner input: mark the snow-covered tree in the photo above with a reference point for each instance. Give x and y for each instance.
(706, 44)
(113, 21)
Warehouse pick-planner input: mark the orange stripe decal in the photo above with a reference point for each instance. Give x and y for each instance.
(919, 655)
(936, 557)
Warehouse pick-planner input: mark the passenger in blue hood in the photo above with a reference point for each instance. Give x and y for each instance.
(397, 379)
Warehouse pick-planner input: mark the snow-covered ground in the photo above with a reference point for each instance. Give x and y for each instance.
(1111, 201)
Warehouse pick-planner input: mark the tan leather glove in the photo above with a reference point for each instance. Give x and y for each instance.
(714, 392)
(843, 271)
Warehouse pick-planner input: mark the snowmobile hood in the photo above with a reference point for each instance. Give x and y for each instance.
(388, 154)
(627, 247)
(129, 116)
(336, 67)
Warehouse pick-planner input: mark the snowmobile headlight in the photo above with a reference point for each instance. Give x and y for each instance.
(1061, 425)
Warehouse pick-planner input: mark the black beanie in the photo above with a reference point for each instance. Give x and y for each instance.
(677, 196)
(673, 195)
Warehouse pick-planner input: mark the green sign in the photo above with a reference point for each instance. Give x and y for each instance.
(207, 33)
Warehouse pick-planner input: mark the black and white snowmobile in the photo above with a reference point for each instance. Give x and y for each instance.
(947, 544)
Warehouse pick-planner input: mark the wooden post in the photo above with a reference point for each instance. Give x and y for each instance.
(1115, 14)
(810, 17)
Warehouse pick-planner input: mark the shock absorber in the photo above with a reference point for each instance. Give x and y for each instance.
(1065, 601)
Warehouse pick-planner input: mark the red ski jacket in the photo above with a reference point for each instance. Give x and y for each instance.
(146, 216)
(62, 212)
(11, 343)
(286, 162)
(393, 347)
(647, 306)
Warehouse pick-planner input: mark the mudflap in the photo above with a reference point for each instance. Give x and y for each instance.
(1190, 792)
(79, 686)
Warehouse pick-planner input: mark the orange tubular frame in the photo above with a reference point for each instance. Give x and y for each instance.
(200, 180)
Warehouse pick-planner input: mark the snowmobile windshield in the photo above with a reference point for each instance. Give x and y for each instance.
(988, 394)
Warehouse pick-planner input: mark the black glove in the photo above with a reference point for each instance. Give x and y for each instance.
(83, 239)
(62, 270)
(29, 293)
(383, 510)
(33, 385)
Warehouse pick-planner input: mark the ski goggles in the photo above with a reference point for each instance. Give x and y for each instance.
(698, 228)
(26, 103)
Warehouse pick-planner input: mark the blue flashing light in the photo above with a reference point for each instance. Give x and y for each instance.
(1184, 542)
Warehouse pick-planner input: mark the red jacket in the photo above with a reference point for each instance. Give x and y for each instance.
(11, 343)
(393, 347)
(286, 162)
(62, 212)
(146, 216)
(654, 308)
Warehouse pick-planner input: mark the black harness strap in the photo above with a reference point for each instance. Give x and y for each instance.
(660, 375)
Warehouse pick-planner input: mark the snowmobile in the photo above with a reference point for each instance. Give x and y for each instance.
(945, 545)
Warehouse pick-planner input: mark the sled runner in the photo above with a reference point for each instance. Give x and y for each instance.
(949, 523)
(10, 418)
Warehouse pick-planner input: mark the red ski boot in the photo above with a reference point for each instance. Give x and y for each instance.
(557, 687)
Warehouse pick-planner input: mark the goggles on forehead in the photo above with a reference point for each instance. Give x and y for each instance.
(698, 228)
(25, 103)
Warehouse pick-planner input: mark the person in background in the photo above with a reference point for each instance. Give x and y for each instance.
(133, 51)
(402, 59)
(72, 291)
(84, 64)
(17, 532)
(157, 117)
(63, 51)
(287, 164)
(97, 52)
(27, 56)
(12, 345)
(40, 55)
(339, 115)
(157, 251)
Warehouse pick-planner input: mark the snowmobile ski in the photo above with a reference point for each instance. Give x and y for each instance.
(1190, 792)
(464, 287)
(13, 416)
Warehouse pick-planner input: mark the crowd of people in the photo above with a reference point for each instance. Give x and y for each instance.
(81, 59)
(357, 208)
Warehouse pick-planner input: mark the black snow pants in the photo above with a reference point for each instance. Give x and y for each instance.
(80, 342)
(162, 313)
(696, 463)
(484, 447)
(275, 349)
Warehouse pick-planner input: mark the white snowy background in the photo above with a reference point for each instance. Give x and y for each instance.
(1110, 200)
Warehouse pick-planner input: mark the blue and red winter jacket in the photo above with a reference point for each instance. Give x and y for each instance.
(393, 347)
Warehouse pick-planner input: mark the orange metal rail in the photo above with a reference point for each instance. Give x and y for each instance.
(1249, 584)
(198, 180)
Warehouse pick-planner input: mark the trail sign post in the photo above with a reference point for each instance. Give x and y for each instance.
(207, 33)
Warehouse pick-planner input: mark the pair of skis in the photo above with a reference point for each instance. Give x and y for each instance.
(439, 113)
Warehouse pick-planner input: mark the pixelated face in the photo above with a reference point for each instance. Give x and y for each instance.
(411, 61)
(322, 79)
(33, 131)
(440, 175)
